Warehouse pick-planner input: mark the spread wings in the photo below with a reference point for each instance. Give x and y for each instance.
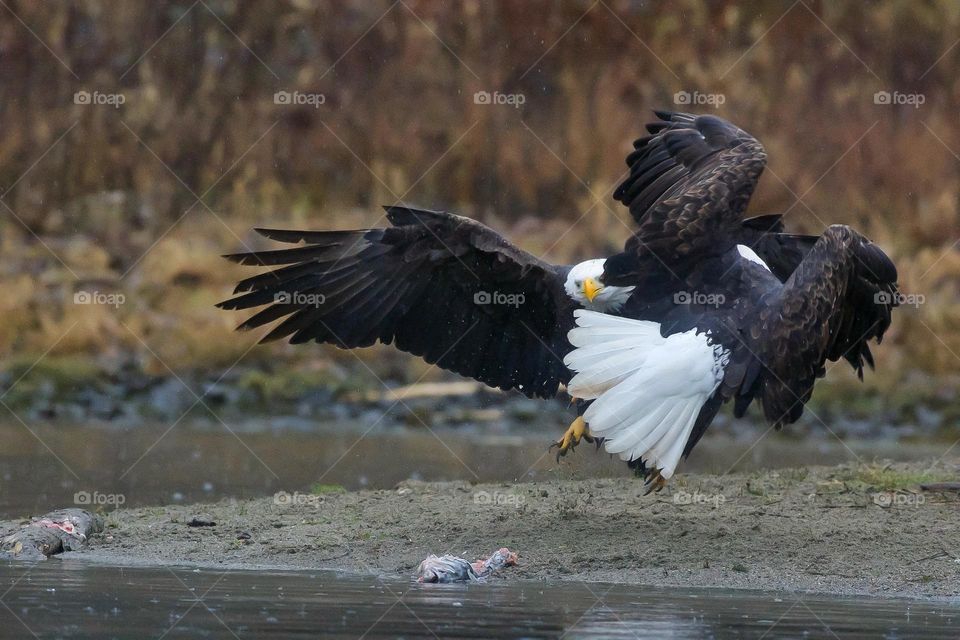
(689, 184)
(436, 285)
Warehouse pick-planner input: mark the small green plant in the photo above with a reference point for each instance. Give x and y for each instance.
(319, 488)
(887, 478)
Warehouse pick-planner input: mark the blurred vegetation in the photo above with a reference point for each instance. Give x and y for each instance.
(141, 199)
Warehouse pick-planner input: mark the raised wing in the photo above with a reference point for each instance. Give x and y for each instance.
(436, 285)
(689, 184)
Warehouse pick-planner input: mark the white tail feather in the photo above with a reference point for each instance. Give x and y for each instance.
(647, 390)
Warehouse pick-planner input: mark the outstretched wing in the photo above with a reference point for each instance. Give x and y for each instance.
(436, 285)
(839, 298)
(689, 184)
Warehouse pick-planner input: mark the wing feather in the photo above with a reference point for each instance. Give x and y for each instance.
(838, 299)
(414, 285)
(689, 184)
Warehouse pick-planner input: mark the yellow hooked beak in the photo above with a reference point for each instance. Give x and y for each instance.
(591, 288)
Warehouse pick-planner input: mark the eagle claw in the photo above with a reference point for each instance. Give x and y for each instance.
(654, 482)
(578, 430)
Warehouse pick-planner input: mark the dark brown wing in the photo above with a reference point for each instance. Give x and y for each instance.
(839, 298)
(436, 285)
(689, 184)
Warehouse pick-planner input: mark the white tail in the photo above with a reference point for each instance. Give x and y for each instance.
(647, 390)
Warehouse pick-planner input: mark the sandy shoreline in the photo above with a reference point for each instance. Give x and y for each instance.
(851, 529)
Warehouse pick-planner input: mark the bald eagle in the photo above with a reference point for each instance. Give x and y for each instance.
(702, 307)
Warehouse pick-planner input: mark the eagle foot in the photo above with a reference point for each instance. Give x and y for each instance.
(577, 430)
(654, 482)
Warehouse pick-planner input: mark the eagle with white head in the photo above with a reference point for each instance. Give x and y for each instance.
(702, 307)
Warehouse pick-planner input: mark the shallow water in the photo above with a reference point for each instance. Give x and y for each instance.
(46, 466)
(72, 598)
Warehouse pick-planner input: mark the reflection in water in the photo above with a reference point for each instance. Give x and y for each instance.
(159, 465)
(75, 599)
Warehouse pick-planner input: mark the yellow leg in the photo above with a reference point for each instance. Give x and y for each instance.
(577, 430)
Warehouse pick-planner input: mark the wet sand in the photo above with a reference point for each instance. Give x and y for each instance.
(850, 529)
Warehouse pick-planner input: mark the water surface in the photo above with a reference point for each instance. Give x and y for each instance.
(72, 598)
(43, 467)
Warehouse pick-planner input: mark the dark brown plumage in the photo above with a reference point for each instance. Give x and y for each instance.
(838, 299)
(421, 285)
(823, 299)
(689, 184)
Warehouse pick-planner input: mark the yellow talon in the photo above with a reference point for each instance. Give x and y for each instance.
(577, 430)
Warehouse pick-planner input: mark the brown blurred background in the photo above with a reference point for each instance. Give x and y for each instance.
(140, 140)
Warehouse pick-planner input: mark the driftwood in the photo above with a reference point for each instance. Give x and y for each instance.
(56, 532)
(424, 390)
(941, 486)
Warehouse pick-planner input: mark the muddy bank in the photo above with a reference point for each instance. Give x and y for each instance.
(866, 529)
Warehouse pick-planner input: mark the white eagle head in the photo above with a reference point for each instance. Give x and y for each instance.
(585, 285)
